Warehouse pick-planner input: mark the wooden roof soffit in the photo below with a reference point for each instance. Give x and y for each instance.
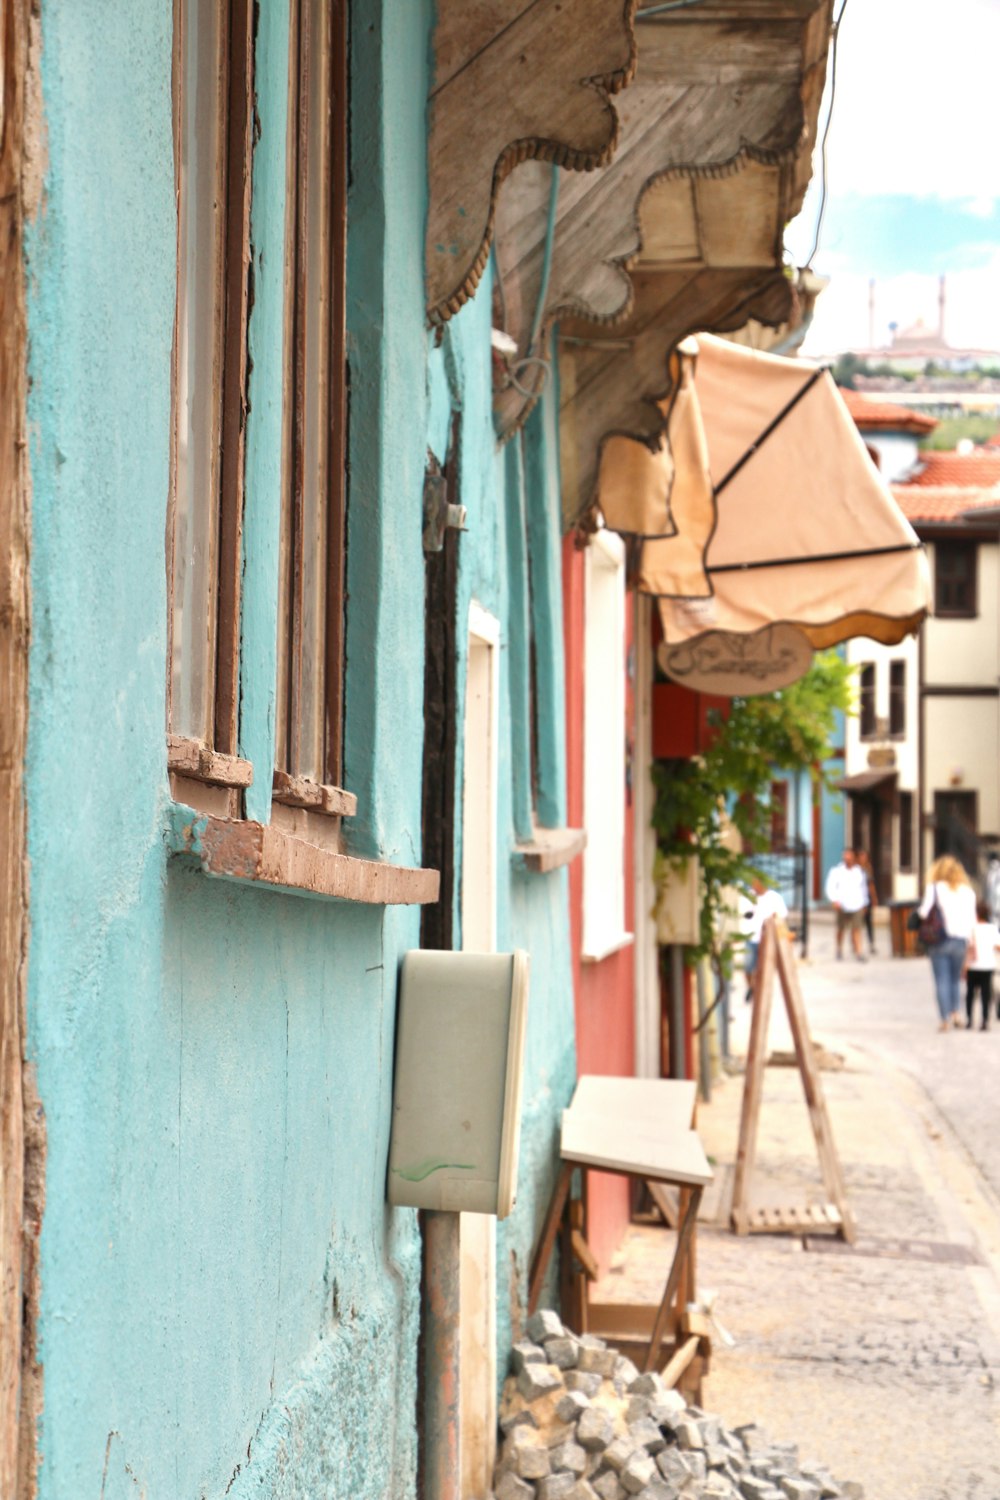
(513, 80)
(716, 139)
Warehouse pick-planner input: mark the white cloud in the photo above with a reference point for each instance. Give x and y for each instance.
(981, 207)
(915, 108)
(972, 317)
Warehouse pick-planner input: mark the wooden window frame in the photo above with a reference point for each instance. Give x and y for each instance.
(968, 610)
(897, 698)
(907, 842)
(290, 787)
(867, 717)
(193, 761)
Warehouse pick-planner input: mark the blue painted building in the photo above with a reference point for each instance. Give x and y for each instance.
(236, 412)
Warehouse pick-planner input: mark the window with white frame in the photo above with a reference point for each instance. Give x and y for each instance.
(604, 747)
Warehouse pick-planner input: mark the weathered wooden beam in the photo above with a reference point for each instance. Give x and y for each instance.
(22, 1139)
(513, 80)
(714, 157)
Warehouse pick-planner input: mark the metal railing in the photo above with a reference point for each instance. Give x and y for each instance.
(787, 868)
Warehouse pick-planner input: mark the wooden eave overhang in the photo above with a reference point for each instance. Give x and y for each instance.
(711, 257)
(512, 80)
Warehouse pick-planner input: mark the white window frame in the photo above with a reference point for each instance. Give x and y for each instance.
(604, 930)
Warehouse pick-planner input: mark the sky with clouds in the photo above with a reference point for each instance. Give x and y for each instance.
(913, 180)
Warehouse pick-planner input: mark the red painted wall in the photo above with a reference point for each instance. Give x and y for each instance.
(603, 992)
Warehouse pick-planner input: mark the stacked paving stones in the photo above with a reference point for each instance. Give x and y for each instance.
(578, 1422)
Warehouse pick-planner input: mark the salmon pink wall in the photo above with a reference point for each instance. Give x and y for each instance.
(603, 992)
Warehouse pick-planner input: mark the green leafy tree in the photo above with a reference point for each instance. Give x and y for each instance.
(698, 801)
(950, 431)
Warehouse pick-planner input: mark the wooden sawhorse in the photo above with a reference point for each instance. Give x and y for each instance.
(640, 1129)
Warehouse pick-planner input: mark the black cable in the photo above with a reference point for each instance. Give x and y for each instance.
(826, 132)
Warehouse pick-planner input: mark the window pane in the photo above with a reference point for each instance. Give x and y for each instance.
(198, 360)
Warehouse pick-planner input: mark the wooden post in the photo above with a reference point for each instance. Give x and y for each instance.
(763, 988)
(21, 1130)
(549, 1231)
(680, 1255)
(776, 957)
(828, 1160)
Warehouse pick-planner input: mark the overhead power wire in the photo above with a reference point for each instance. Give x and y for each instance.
(649, 11)
(823, 181)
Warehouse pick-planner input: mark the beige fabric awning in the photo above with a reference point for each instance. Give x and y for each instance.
(762, 508)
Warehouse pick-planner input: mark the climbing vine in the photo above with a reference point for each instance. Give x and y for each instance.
(715, 806)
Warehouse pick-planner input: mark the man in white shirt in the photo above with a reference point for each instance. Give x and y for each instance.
(847, 893)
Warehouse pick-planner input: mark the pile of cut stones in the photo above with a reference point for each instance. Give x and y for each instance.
(579, 1422)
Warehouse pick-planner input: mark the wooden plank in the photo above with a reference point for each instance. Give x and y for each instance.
(666, 1104)
(663, 1315)
(550, 1228)
(243, 850)
(633, 1320)
(665, 1202)
(512, 81)
(678, 1363)
(299, 791)
(550, 849)
(191, 758)
(812, 1085)
(22, 1121)
(753, 1083)
(585, 1256)
(618, 1145)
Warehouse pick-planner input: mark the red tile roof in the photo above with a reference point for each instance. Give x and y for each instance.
(974, 470)
(943, 502)
(884, 414)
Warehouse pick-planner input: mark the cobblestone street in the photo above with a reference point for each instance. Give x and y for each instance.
(882, 1360)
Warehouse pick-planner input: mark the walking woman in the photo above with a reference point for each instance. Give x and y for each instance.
(948, 888)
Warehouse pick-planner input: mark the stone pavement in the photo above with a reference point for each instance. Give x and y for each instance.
(882, 1361)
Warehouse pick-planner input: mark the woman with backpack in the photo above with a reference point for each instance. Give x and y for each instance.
(948, 921)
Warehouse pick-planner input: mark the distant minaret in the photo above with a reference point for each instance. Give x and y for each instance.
(941, 309)
(871, 313)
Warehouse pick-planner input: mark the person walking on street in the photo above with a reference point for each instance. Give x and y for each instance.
(871, 893)
(847, 893)
(767, 903)
(949, 890)
(982, 962)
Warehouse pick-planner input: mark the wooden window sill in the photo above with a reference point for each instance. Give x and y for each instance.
(608, 947)
(297, 791)
(192, 758)
(260, 854)
(550, 849)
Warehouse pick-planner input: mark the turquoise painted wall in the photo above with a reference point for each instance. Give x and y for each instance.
(228, 1307)
(533, 910)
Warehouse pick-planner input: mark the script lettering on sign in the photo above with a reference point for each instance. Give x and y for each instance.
(733, 665)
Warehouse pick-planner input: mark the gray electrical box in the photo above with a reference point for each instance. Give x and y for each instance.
(456, 1117)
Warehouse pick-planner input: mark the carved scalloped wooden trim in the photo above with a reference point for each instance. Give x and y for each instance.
(629, 386)
(680, 108)
(478, 111)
